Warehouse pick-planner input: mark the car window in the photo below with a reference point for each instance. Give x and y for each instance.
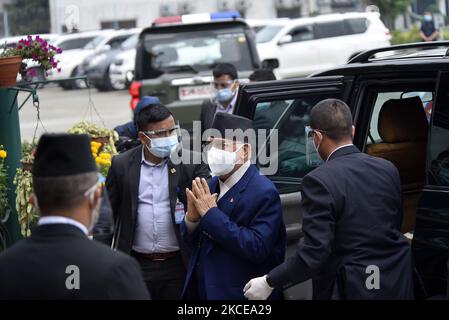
(439, 143)
(94, 43)
(72, 44)
(267, 33)
(329, 29)
(131, 42)
(199, 49)
(295, 157)
(117, 41)
(382, 97)
(303, 33)
(357, 25)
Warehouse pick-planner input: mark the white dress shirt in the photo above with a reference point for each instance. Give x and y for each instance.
(154, 231)
(62, 220)
(340, 147)
(224, 188)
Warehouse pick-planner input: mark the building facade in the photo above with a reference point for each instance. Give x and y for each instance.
(86, 15)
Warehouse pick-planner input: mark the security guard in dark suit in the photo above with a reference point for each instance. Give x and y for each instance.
(352, 246)
(59, 261)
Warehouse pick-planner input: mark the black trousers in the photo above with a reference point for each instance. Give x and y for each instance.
(164, 279)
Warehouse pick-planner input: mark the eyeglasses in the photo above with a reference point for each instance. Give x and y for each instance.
(310, 131)
(162, 132)
(223, 84)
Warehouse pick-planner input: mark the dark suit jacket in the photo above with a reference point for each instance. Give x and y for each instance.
(208, 109)
(244, 237)
(36, 268)
(351, 220)
(122, 184)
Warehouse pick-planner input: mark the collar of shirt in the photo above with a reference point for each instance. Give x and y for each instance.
(62, 220)
(230, 107)
(233, 179)
(149, 163)
(340, 147)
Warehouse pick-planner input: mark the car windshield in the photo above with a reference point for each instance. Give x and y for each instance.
(94, 43)
(70, 44)
(131, 42)
(196, 50)
(267, 33)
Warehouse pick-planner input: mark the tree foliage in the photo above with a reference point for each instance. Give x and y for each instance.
(390, 9)
(28, 16)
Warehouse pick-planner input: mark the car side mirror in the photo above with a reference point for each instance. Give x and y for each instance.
(286, 39)
(270, 64)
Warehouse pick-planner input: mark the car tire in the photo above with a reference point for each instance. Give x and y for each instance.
(113, 85)
(78, 84)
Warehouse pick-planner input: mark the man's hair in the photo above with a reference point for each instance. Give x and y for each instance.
(64, 192)
(262, 75)
(222, 69)
(334, 118)
(153, 114)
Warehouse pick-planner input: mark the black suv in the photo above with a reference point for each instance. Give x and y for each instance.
(387, 90)
(174, 62)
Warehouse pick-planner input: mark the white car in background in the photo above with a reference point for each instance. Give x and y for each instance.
(300, 47)
(121, 71)
(70, 60)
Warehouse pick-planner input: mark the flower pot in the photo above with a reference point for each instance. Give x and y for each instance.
(10, 67)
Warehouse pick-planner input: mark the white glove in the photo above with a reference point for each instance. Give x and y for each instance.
(258, 289)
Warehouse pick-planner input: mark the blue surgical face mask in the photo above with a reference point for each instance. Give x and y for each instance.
(427, 17)
(225, 95)
(163, 147)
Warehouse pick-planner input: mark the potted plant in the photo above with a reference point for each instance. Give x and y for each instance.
(4, 204)
(104, 136)
(30, 49)
(23, 181)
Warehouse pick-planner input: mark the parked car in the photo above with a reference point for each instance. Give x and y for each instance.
(400, 85)
(70, 60)
(176, 55)
(300, 47)
(121, 71)
(96, 66)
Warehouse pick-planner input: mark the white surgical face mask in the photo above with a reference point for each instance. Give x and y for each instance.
(221, 162)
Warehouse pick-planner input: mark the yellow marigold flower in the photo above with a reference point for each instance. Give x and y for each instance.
(3, 154)
(98, 160)
(105, 155)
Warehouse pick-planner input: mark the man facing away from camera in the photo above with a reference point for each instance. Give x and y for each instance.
(58, 261)
(352, 212)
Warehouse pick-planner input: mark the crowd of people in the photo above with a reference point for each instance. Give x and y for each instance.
(208, 231)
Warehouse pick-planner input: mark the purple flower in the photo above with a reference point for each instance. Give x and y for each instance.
(31, 72)
(35, 57)
(59, 69)
(29, 37)
(20, 47)
(58, 50)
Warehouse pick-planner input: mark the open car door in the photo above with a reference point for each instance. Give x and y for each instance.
(282, 109)
(431, 237)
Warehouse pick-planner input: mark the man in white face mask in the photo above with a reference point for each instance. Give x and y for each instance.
(234, 224)
(58, 261)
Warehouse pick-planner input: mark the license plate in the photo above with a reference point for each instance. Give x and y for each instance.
(195, 92)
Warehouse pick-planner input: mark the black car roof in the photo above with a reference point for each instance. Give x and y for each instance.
(403, 58)
(198, 26)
